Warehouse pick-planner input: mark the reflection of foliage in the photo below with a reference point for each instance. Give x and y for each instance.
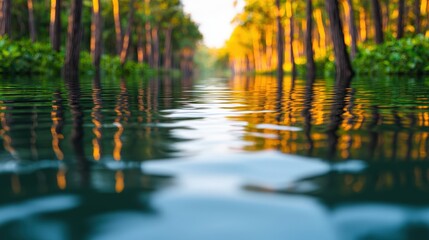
(405, 56)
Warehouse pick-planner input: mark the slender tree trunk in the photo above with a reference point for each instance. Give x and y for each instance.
(168, 48)
(309, 53)
(140, 48)
(31, 23)
(96, 34)
(74, 33)
(155, 47)
(118, 28)
(291, 34)
(352, 29)
(417, 16)
(127, 38)
(149, 52)
(378, 24)
(400, 26)
(148, 33)
(342, 59)
(5, 17)
(55, 25)
(386, 16)
(280, 44)
(321, 30)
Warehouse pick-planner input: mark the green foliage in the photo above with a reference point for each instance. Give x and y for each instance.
(324, 67)
(405, 56)
(24, 57)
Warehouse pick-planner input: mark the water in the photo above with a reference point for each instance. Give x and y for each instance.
(233, 158)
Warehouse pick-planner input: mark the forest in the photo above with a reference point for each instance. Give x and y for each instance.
(38, 36)
(378, 36)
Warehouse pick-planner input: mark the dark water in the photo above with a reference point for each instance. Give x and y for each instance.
(214, 159)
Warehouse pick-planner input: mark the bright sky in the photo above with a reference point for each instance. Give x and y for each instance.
(214, 18)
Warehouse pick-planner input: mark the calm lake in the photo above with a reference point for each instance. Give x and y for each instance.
(238, 158)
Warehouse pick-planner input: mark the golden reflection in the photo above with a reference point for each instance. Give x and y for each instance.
(61, 179)
(359, 133)
(5, 128)
(123, 114)
(119, 182)
(96, 116)
(57, 114)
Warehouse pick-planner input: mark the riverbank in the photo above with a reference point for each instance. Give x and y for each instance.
(23, 57)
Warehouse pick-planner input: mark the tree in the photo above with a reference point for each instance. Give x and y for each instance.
(352, 29)
(96, 34)
(378, 24)
(289, 12)
(127, 37)
(5, 16)
(31, 23)
(71, 63)
(309, 53)
(417, 16)
(118, 28)
(55, 25)
(280, 43)
(342, 59)
(400, 25)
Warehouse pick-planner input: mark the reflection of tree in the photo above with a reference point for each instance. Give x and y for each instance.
(306, 112)
(57, 116)
(336, 115)
(97, 117)
(123, 114)
(33, 140)
(168, 91)
(5, 119)
(73, 87)
(374, 136)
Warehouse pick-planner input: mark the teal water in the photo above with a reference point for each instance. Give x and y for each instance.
(238, 158)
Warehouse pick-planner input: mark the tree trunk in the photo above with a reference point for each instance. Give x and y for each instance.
(400, 26)
(378, 25)
(5, 17)
(386, 21)
(74, 33)
(155, 47)
(352, 29)
(127, 38)
(55, 25)
(96, 34)
(118, 28)
(417, 16)
(149, 52)
(168, 48)
(342, 60)
(291, 33)
(280, 44)
(309, 53)
(31, 23)
(140, 48)
(321, 30)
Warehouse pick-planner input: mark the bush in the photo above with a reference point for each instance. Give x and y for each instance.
(405, 56)
(25, 57)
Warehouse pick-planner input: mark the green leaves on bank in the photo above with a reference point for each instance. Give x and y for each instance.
(405, 56)
(25, 57)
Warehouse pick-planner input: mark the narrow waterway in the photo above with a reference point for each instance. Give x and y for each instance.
(238, 158)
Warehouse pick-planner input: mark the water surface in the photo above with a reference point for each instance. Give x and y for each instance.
(239, 158)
